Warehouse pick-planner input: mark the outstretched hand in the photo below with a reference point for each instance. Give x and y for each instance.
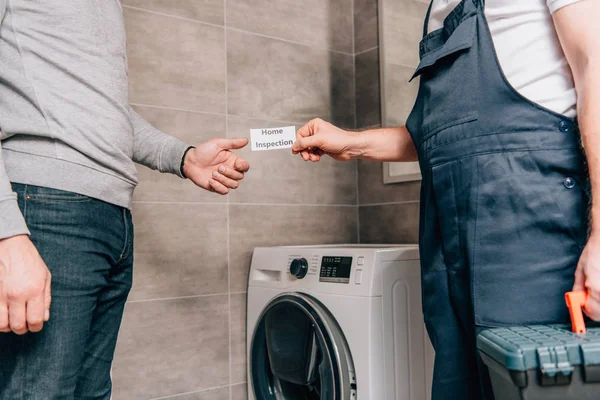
(319, 137)
(213, 166)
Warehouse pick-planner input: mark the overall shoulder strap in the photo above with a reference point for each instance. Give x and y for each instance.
(426, 24)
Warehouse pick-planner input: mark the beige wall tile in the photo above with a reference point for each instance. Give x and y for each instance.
(211, 11)
(400, 94)
(372, 190)
(325, 24)
(180, 250)
(253, 226)
(239, 392)
(191, 128)
(273, 79)
(366, 35)
(172, 346)
(368, 94)
(403, 30)
(175, 63)
(212, 394)
(238, 337)
(390, 223)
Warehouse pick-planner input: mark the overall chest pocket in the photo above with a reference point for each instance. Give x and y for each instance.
(448, 71)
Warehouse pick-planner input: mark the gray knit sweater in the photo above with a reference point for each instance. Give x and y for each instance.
(65, 120)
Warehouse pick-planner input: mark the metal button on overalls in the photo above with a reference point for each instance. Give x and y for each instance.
(502, 222)
(569, 183)
(564, 126)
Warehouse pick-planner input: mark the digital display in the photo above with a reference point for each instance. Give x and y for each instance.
(335, 269)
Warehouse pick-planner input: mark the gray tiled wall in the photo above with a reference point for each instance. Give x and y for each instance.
(216, 68)
(388, 213)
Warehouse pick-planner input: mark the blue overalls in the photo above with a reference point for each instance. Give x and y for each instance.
(503, 204)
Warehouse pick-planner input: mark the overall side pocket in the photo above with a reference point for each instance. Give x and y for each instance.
(525, 253)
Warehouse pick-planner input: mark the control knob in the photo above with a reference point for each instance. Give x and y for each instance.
(299, 267)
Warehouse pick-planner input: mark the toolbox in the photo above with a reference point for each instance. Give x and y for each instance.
(549, 362)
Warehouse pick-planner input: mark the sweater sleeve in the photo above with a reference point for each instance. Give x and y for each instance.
(12, 222)
(154, 148)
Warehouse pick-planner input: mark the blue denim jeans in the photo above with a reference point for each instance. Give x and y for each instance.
(88, 246)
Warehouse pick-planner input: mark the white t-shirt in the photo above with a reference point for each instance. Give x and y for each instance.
(528, 48)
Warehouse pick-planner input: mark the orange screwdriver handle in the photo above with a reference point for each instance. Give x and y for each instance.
(575, 302)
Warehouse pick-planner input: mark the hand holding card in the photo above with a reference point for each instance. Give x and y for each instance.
(273, 138)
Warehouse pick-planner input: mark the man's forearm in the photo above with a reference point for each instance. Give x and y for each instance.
(588, 110)
(578, 31)
(387, 144)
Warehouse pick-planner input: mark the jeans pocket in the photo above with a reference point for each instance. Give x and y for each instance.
(49, 195)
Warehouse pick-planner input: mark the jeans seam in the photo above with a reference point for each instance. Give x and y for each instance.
(59, 199)
(125, 250)
(24, 370)
(25, 203)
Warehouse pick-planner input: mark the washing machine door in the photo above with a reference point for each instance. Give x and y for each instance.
(298, 352)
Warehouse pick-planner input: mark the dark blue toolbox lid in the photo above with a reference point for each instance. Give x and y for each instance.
(551, 348)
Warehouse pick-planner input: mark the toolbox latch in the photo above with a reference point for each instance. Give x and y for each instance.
(591, 362)
(555, 368)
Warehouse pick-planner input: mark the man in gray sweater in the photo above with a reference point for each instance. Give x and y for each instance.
(69, 141)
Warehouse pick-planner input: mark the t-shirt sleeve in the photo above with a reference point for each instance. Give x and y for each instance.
(555, 5)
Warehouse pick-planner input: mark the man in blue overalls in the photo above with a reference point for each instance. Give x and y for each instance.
(503, 220)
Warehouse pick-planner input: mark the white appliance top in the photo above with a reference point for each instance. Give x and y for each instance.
(353, 270)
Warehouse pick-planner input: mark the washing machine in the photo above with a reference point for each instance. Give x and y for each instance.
(337, 323)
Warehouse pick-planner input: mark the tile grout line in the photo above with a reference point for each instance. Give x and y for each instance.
(390, 203)
(195, 296)
(173, 16)
(366, 51)
(354, 64)
(229, 311)
(208, 203)
(179, 109)
(216, 113)
(291, 41)
(353, 27)
(193, 392)
(352, 5)
(238, 30)
(357, 203)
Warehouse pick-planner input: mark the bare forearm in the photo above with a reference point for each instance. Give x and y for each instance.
(387, 144)
(588, 110)
(579, 33)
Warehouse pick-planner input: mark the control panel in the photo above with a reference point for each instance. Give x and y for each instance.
(335, 269)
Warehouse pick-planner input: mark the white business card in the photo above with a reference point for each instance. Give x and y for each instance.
(272, 138)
